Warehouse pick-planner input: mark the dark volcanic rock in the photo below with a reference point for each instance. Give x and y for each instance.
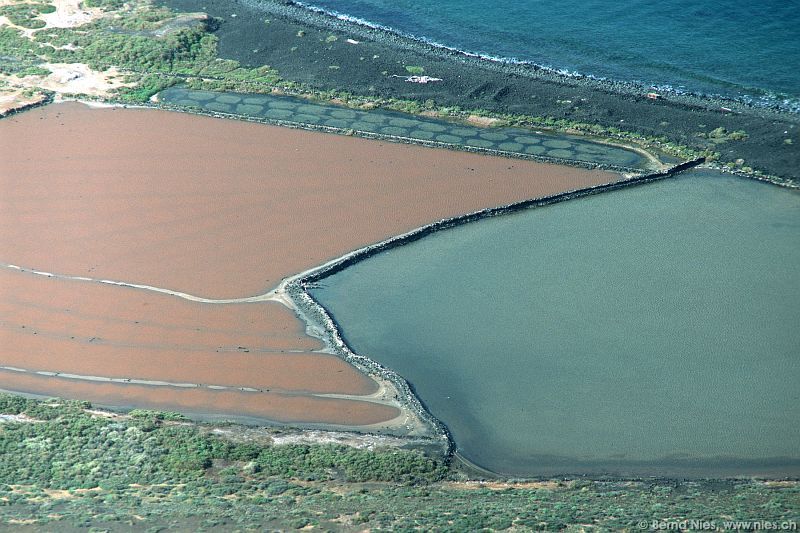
(313, 49)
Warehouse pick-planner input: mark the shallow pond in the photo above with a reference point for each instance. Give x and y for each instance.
(287, 109)
(647, 331)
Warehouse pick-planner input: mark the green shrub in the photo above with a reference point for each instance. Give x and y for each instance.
(33, 71)
(25, 15)
(106, 4)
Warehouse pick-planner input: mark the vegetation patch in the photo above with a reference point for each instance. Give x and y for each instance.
(79, 467)
(33, 70)
(105, 4)
(26, 15)
(721, 135)
(73, 449)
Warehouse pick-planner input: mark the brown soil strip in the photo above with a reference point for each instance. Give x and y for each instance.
(259, 405)
(214, 208)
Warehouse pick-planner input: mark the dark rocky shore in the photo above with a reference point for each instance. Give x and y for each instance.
(318, 50)
(320, 320)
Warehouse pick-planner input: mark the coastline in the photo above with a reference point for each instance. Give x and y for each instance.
(323, 64)
(327, 64)
(275, 400)
(563, 74)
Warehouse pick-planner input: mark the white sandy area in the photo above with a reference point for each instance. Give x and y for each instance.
(69, 14)
(72, 78)
(483, 121)
(65, 78)
(4, 418)
(14, 98)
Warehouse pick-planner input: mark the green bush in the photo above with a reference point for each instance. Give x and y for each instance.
(25, 15)
(351, 464)
(106, 4)
(33, 71)
(70, 448)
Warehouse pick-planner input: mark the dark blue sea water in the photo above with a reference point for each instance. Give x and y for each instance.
(736, 48)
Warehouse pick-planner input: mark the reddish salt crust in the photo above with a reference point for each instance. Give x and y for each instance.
(218, 209)
(100, 330)
(224, 209)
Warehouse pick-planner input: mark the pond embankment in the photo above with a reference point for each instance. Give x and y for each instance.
(239, 207)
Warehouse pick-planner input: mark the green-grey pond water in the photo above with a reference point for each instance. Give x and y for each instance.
(648, 331)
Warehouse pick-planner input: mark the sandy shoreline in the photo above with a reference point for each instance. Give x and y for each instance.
(86, 194)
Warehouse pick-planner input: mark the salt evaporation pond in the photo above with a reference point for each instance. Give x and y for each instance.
(291, 110)
(647, 331)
